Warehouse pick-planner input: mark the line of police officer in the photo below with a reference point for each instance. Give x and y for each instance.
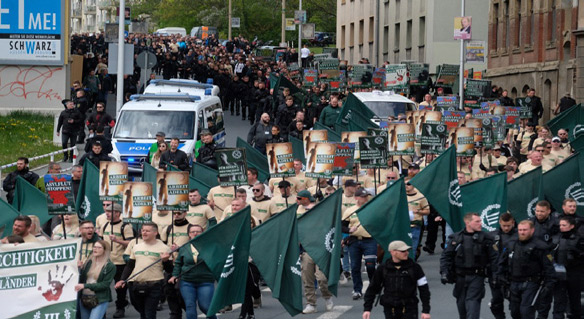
(540, 262)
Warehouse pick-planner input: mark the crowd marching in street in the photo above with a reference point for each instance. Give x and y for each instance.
(536, 263)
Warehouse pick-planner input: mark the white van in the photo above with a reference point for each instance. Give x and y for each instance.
(385, 104)
(171, 31)
(177, 115)
(190, 87)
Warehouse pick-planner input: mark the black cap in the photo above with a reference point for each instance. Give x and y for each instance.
(283, 184)
(414, 166)
(361, 192)
(65, 101)
(350, 183)
(161, 134)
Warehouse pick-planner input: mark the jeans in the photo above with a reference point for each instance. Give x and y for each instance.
(362, 249)
(449, 232)
(145, 298)
(68, 140)
(95, 313)
(346, 263)
(416, 231)
(194, 293)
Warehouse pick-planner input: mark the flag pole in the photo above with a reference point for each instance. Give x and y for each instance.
(63, 224)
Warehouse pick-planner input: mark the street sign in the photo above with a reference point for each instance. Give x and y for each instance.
(235, 22)
(299, 16)
(308, 31)
(146, 60)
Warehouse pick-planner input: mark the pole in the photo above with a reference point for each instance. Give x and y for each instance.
(283, 36)
(112, 220)
(300, 35)
(229, 18)
(63, 223)
(120, 82)
(377, 34)
(461, 71)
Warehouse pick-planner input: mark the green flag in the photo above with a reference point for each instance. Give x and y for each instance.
(275, 251)
(564, 181)
(255, 159)
(523, 193)
(386, 216)
(332, 135)
(439, 183)
(225, 249)
(205, 174)
(319, 231)
(571, 120)
(149, 175)
(578, 144)
(356, 114)
(297, 148)
(486, 197)
(29, 200)
(6, 218)
(88, 205)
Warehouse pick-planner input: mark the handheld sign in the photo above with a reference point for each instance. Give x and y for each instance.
(112, 176)
(137, 202)
(59, 194)
(232, 166)
(280, 159)
(173, 191)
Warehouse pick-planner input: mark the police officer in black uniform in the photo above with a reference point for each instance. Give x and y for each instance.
(527, 265)
(547, 229)
(400, 276)
(207, 150)
(469, 257)
(569, 257)
(503, 235)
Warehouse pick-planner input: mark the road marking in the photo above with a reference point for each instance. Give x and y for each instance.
(235, 307)
(335, 313)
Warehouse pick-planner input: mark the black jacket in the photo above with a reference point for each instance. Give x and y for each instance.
(9, 183)
(106, 145)
(207, 155)
(399, 282)
(63, 122)
(94, 158)
(178, 159)
(522, 260)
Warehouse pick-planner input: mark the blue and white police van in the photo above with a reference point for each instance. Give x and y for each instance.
(191, 87)
(179, 115)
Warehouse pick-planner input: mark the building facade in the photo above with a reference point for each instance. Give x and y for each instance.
(406, 30)
(92, 15)
(533, 44)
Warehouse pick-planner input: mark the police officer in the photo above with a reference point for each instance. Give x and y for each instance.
(503, 235)
(467, 260)
(569, 257)
(400, 276)
(527, 265)
(547, 229)
(207, 150)
(145, 281)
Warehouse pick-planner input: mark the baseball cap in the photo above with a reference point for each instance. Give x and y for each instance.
(556, 139)
(398, 245)
(305, 194)
(361, 192)
(497, 147)
(161, 134)
(283, 184)
(350, 183)
(414, 166)
(117, 207)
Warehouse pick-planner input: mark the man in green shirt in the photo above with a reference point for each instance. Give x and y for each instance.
(329, 114)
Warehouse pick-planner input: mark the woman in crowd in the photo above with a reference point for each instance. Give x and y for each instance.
(95, 278)
(196, 281)
(162, 147)
(36, 230)
(71, 227)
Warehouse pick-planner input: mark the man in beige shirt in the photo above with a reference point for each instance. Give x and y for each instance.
(219, 198)
(199, 213)
(285, 199)
(536, 159)
(348, 200)
(21, 227)
(260, 204)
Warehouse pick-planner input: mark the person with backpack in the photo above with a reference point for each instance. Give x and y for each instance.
(399, 277)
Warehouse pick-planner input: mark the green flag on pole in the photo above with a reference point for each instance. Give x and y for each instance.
(386, 216)
(564, 181)
(205, 174)
(486, 197)
(225, 249)
(439, 183)
(29, 200)
(571, 120)
(255, 159)
(6, 218)
(297, 148)
(275, 251)
(523, 193)
(87, 204)
(319, 231)
(356, 114)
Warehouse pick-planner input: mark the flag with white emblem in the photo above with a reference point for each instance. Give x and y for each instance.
(564, 181)
(486, 197)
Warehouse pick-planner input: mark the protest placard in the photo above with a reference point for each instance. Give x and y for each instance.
(232, 166)
(59, 194)
(280, 159)
(173, 190)
(112, 176)
(137, 202)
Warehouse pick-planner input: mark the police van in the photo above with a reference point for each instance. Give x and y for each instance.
(177, 115)
(385, 104)
(190, 87)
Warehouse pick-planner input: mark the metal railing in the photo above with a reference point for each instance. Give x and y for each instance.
(51, 156)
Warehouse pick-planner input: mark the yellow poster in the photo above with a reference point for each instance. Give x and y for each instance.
(137, 202)
(173, 190)
(112, 176)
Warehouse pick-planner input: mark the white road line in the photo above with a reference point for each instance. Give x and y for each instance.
(235, 307)
(335, 313)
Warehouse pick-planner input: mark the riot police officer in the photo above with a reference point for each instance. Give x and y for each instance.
(503, 235)
(569, 257)
(467, 260)
(527, 265)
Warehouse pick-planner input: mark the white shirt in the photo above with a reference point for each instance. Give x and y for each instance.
(304, 52)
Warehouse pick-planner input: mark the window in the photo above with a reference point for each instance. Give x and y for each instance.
(495, 36)
(397, 9)
(422, 32)
(385, 39)
(409, 34)
(507, 25)
(518, 23)
(361, 30)
(352, 34)
(409, 2)
(531, 25)
(343, 36)
(554, 23)
(371, 29)
(396, 37)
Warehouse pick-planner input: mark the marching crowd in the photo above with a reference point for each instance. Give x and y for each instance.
(533, 263)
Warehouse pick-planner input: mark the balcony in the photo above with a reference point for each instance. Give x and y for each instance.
(76, 12)
(89, 8)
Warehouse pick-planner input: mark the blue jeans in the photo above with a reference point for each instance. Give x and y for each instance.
(362, 249)
(95, 313)
(197, 292)
(448, 232)
(345, 260)
(415, 236)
